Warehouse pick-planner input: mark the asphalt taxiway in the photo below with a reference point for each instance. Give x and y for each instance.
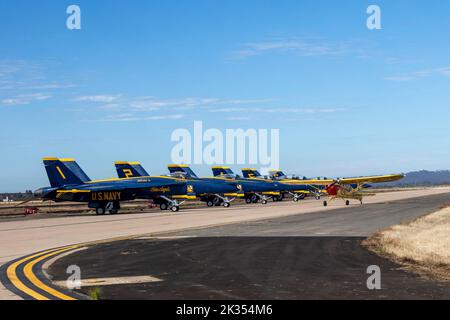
(310, 256)
(303, 223)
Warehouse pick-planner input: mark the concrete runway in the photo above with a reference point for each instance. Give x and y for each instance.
(31, 235)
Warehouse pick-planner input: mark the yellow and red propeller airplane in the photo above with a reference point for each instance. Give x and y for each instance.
(345, 188)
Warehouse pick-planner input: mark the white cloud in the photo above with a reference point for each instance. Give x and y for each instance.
(153, 103)
(420, 74)
(25, 99)
(128, 117)
(99, 98)
(21, 75)
(52, 86)
(149, 103)
(301, 47)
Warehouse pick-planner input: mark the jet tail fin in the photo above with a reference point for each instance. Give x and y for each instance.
(62, 172)
(276, 174)
(130, 169)
(182, 168)
(250, 173)
(222, 171)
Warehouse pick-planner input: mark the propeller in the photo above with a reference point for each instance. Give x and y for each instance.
(335, 182)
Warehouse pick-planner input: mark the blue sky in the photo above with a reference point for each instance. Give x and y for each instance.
(347, 100)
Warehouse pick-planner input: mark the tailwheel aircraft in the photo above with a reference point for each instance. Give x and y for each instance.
(346, 188)
(68, 182)
(345, 192)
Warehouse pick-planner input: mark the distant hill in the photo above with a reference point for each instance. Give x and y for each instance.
(421, 178)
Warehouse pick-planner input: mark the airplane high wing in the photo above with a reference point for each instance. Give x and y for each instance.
(373, 179)
(279, 175)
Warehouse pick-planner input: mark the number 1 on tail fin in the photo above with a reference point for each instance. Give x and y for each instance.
(62, 172)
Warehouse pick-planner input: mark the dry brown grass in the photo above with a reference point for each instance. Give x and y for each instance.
(422, 245)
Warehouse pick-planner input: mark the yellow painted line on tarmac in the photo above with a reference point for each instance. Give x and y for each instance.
(28, 271)
(12, 275)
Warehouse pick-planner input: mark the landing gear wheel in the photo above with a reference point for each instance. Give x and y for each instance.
(163, 206)
(295, 199)
(175, 208)
(325, 203)
(100, 211)
(347, 203)
(113, 211)
(264, 201)
(248, 200)
(277, 198)
(226, 204)
(210, 203)
(317, 197)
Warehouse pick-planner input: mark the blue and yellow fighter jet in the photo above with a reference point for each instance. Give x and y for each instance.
(255, 190)
(297, 190)
(318, 188)
(68, 182)
(213, 193)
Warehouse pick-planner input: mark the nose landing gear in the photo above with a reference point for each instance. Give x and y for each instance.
(217, 200)
(169, 204)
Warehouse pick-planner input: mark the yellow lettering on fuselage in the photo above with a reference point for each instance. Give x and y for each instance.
(160, 189)
(106, 196)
